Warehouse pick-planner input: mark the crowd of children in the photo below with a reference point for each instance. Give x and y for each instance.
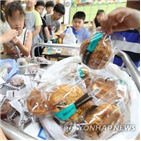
(35, 26)
(40, 27)
(26, 27)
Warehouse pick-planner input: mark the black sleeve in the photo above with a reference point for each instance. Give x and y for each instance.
(44, 23)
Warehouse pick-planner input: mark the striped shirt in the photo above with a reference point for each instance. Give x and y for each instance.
(131, 47)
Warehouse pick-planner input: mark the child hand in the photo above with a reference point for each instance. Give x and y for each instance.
(14, 41)
(7, 36)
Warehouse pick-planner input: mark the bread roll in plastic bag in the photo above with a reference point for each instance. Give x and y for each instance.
(37, 102)
(96, 51)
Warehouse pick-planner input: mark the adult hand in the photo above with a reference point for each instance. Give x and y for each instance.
(7, 36)
(98, 28)
(120, 19)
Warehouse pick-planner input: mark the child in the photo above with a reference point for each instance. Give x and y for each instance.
(4, 3)
(78, 30)
(19, 1)
(49, 7)
(33, 23)
(3, 23)
(52, 20)
(96, 21)
(15, 16)
(44, 33)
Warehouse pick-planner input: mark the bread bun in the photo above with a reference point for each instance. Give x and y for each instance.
(33, 69)
(41, 59)
(37, 102)
(100, 55)
(65, 95)
(89, 79)
(103, 115)
(16, 81)
(109, 91)
(5, 109)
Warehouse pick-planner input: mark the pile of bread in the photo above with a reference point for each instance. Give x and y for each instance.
(103, 110)
(110, 98)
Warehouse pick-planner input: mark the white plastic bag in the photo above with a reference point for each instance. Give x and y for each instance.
(69, 37)
(112, 71)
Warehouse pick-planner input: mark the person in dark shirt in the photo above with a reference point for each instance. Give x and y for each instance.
(96, 21)
(44, 33)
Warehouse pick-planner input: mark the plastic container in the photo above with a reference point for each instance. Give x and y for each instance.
(49, 48)
(22, 64)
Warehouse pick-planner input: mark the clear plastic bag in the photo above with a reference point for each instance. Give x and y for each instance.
(32, 68)
(11, 66)
(16, 82)
(100, 119)
(42, 60)
(108, 90)
(69, 37)
(6, 109)
(61, 102)
(96, 52)
(14, 108)
(37, 102)
(121, 98)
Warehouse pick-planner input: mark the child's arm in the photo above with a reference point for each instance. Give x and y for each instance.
(56, 30)
(94, 26)
(25, 49)
(62, 35)
(36, 31)
(38, 24)
(7, 36)
(47, 33)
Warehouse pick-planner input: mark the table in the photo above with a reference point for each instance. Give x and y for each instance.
(64, 54)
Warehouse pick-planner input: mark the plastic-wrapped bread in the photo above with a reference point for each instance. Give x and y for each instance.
(16, 81)
(37, 102)
(96, 52)
(101, 116)
(65, 95)
(110, 91)
(5, 109)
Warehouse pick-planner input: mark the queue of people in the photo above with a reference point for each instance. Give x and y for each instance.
(30, 25)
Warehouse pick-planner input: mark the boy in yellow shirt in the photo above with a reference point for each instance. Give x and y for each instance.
(33, 23)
